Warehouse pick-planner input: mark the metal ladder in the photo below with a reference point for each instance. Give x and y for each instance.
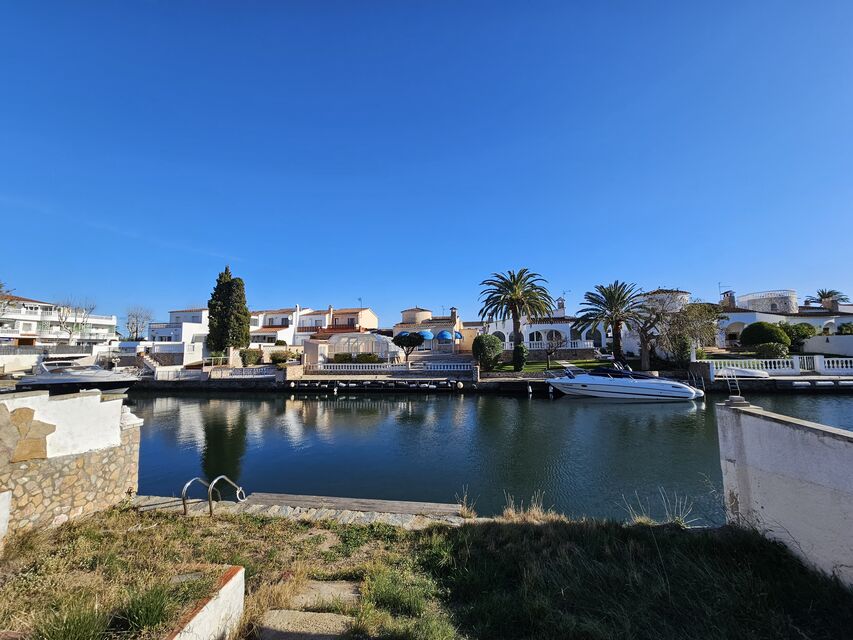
(211, 487)
(695, 380)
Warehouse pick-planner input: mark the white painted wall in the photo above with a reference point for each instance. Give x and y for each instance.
(840, 345)
(220, 617)
(83, 422)
(791, 479)
(18, 363)
(5, 509)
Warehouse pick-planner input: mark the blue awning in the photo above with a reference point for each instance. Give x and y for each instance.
(403, 333)
(458, 335)
(426, 334)
(444, 335)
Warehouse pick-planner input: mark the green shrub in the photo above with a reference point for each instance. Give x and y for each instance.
(367, 358)
(762, 333)
(342, 358)
(846, 329)
(798, 333)
(250, 356)
(277, 357)
(487, 350)
(280, 343)
(771, 350)
(146, 609)
(701, 355)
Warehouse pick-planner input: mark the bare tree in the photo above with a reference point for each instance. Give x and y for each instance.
(554, 341)
(72, 316)
(137, 322)
(5, 292)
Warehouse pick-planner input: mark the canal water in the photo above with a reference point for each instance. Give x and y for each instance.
(585, 458)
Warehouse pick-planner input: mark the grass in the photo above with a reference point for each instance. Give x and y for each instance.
(531, 573)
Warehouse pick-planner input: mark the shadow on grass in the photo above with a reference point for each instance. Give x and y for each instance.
(592, 579)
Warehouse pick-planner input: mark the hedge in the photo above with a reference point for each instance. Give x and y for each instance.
(762, 333)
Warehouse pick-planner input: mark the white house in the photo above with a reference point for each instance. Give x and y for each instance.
(185, 333)
(774, 307)
(269, 326)
(538, 333)
(28, 322)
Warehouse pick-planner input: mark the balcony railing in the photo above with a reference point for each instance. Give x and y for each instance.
(164, 325)
(544, 344)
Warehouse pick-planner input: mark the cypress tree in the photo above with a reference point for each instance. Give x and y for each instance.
(217, 309)
(238, 315)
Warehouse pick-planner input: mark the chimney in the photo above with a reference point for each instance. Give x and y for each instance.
(727, 301)
(453, 315)
(331, 319)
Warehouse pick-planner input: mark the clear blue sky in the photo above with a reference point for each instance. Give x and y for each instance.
(402, 151)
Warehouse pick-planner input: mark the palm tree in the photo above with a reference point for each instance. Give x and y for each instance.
(612, 306)
(826, 294)
(515, 295)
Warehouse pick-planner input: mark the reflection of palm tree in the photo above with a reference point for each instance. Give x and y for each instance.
(224, 444)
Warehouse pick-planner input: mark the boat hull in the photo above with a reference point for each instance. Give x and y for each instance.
(628, 391)
(65, 387)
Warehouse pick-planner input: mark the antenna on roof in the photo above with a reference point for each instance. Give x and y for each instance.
(360, 303)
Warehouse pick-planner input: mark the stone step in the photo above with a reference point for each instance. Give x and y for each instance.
(316, 594)
(286, 624)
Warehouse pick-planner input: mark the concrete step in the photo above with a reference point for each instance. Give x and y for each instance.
(317, 594)
(286, 624)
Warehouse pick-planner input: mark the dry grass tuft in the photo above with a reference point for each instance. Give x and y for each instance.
(533, 513)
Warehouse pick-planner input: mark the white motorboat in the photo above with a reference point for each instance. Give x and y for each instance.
(66, 376)
(619, 383)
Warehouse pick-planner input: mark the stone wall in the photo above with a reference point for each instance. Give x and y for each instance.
(83, 475)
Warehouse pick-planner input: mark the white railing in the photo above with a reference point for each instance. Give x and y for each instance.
(780, 366)
(544, 344)
(178, 374)
(839, 366)
(793, 366)
(242, 372)
(356, 367)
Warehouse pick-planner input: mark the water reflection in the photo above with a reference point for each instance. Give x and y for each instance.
(588, 457)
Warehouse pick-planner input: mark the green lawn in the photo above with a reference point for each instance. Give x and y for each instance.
(529, 367)
(529, 574)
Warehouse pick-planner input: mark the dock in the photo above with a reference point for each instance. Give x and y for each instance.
(400, 513)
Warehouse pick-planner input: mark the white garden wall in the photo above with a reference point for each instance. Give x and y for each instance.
(838, 345)
(792, 480)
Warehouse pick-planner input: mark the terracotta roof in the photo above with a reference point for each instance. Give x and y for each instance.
(414, 309)
(352, 310)
(187, 310)
(288, 310)
(316, 313)
(268, 330)
(13, 298)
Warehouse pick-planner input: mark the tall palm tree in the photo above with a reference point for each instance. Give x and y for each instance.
(515, 295)
(611, 306)
(826, 294)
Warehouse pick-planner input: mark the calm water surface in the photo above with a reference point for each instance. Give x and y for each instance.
(588, 458)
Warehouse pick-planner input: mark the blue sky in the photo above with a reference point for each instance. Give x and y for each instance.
(401, 151)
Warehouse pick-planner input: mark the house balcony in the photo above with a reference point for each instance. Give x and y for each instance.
(164, 325)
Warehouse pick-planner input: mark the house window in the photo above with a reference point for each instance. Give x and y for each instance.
(500, 336)
(554, 336)
(535, 336)
(253, 322)
(351, 322)
(774, 306)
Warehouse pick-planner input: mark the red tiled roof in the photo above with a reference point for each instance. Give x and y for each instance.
(186, 310)
(353, 310)
(13, 298)
(268, 330)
